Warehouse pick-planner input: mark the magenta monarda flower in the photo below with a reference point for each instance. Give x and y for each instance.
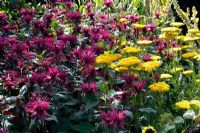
(146, 57)
(69, 3)
(3, 130)
(87, 57)
(37, 108)
(38, 78)
(89, 72)
(3, 18)
(113, 118)
(150, 27)
(88, 88)
(74, 16)
(157, 15)
(129, 79)
(68, 38)
(108, 3)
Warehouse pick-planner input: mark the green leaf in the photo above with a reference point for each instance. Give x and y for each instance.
(189, 114)
(52, 118)
(111, 73)
(166, 117)
(169, 126)
(23, 90)
(54, 23)
(136, 3)
(101, 44)
(178, 120)
(99, 3)
(83, 127)
(91, 101)
(147, 110)
(32, 124)
(129, 114)
(64, 124)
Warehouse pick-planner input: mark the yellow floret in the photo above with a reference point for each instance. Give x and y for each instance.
(149, 66)
(184, 104)
(129, 61)
(159, 87)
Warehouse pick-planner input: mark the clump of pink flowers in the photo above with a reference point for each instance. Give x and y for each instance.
(37, 107)
(113, 118)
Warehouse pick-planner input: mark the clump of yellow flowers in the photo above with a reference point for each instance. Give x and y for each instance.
(170, 32)
(159, 87)
(189, 54)
(129, 61)
(132, 50)
(165, 76)
(176, 24)
(107, 58)
(149, 65)
(184, 104)
(144, 42)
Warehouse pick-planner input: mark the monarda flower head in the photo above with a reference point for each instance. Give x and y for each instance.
(3, 18)
(108, 3)
(88, 88)
(37, 108)
(74, 17)
(150, 27)
(113, 118)
(38, 78)
(89, 72)
(87, 57)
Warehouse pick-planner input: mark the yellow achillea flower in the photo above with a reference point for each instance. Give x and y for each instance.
(176, 24)
(195, 102)
(197, 57)
(170, 29)
(120, 69)
(197, 80)
(159, 87)
(149, 66)
(132, 50)
(177, 49)
(188, 72)
(144, 42)
(149, 129)
(193, 31)
(189, 54)
(177, 69)
(122, 20)
(186, 47)
(162, 36)
(197, 118)
(180, 38)
(184, 104)
(138, 26)
(155, 57)
(129, 61)
(170, 32)
(107, 58)
(165, 76)
(112, 66)
(190, 39)
(2, 11)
